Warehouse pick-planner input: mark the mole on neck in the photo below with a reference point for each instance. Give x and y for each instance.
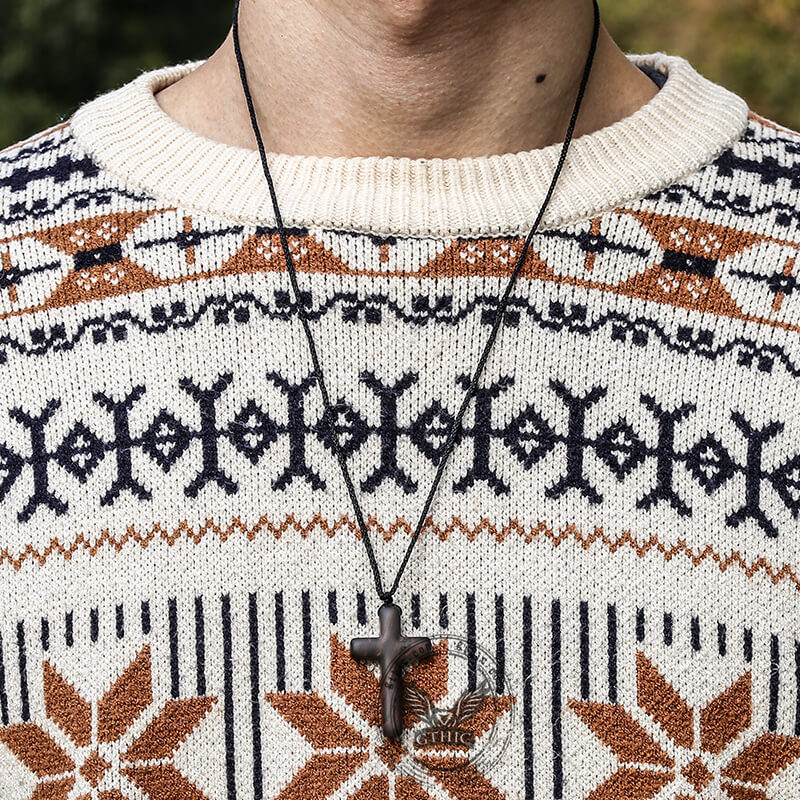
(417, 78)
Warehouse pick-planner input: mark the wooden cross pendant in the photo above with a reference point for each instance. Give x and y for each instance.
(392, 651)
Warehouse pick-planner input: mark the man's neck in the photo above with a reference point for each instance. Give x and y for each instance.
(415, 78)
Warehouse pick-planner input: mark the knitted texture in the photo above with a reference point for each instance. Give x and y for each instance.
(610, 572)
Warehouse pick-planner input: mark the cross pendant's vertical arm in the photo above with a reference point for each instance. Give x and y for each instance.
(392, 651)
(392, 700)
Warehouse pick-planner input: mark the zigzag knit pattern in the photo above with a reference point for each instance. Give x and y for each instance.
(610, 572)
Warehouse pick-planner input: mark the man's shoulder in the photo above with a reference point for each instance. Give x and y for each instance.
(752, 184)
(763, 123)
(765, 164)
(17, 148)
(39, 173)
(775, 145)
(51, 179)
(35, 148)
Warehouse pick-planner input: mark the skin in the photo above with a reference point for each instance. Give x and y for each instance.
(414, 78)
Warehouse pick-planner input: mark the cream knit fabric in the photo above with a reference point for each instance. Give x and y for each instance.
(611, 569)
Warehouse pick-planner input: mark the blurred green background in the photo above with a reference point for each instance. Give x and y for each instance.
(54, 54)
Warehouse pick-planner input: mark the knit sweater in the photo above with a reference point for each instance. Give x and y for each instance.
(610, 571)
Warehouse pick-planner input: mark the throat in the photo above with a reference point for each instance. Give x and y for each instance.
(473, 80)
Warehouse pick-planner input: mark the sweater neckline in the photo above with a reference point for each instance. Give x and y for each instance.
(685, 125)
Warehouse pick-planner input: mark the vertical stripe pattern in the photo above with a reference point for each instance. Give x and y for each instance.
(774, 682)
(227, 673)
(23, 673)
(747, 644)
(280, 659)
(255, 698)
(527, 693)
(306, 602)
(555, 715)
(695, 633)
(584, 649)
(500, 643)
(361, 608)
(145, 617)
(333, 610)
(472, 651)
(200, 644)
(174, 670)
(612, 653)
(69, 631)
(415, 610)
(3, 694)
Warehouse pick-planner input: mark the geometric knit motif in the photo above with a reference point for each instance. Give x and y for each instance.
(698, 268)
(528, 437)
(612, 554)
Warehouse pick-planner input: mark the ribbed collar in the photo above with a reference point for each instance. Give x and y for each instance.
(688, 122)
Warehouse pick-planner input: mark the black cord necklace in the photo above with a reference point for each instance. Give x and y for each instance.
(392, 650)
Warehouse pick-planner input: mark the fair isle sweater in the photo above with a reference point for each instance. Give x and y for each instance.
(610, 572)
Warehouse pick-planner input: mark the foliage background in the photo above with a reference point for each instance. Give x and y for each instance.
(54, 54)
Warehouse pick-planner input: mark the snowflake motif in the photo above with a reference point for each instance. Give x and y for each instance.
(88, 759)
(710, 755)
(343, 749)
